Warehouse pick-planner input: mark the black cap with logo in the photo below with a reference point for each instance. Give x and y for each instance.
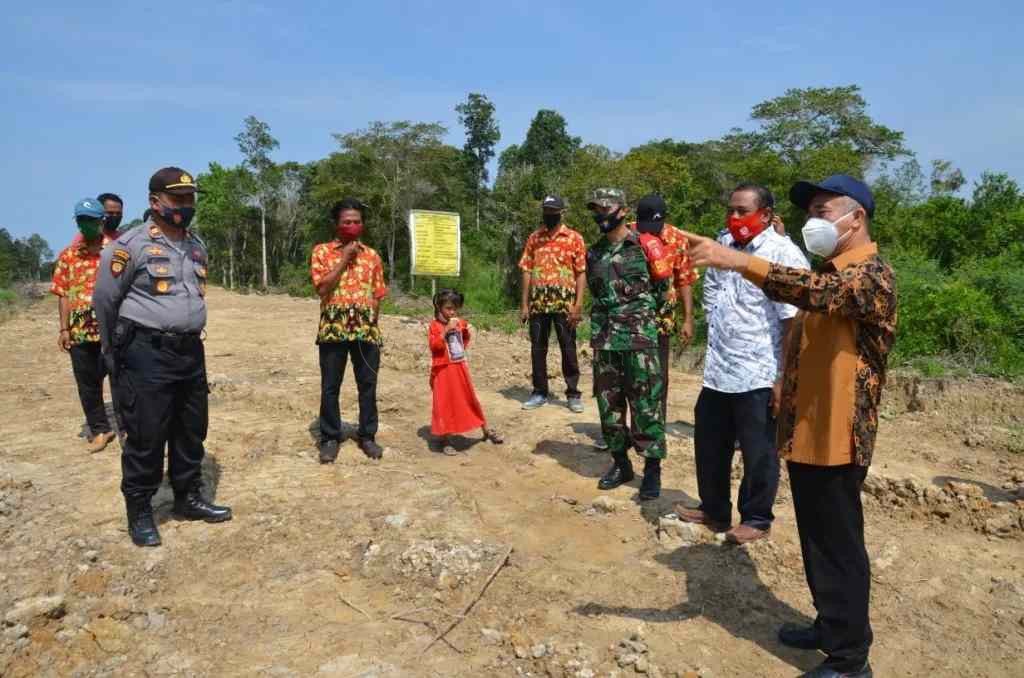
(650, 214)
(173, 180)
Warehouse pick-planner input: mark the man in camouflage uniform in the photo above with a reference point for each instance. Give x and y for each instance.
(627, 368)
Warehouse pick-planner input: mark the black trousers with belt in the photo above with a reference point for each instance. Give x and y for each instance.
(830, 519)
(540, 336)
(720, 420)
(365, 365)
(87, 365)
(162, 398)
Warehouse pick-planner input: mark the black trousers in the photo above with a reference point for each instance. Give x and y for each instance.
(162, 399)
(540, 335)
(87, 365)
(720, 420)
(830, 519)
(365, 365)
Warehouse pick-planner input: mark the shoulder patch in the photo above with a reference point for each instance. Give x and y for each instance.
(118, 261)
(154, 231)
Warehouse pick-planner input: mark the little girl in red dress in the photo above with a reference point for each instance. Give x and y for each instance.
(456, 408)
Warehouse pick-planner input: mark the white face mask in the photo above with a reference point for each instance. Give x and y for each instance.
(821, 237)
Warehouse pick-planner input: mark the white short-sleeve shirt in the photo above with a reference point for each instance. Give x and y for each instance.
(744, 326)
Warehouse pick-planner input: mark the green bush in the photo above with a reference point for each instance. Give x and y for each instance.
(956, 316)
(296, 281)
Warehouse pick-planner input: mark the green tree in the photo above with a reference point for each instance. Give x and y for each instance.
(817, 117)
(255, 144)
(388, 166)
(476, 114)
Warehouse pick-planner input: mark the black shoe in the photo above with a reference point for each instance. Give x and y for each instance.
(192, 506)
(328, 451)
(800, 637)
(141, 526)
(825, 671)
(650, 488)
(370, 448)
(620, 473)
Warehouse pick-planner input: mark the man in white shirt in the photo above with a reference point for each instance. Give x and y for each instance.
(742, 375)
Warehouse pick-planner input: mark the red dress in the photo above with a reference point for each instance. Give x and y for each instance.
(456, 407)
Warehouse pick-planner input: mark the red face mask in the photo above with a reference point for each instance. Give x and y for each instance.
(349, 232)
(746, 228)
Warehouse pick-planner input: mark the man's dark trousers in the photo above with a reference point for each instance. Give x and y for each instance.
(162, 397)
(365, 364)
(830, 520)
(721, 420)
(87, 365)
(540, 334)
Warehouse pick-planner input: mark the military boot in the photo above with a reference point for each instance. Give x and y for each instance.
(141, 526)
(620, 473)
(650, 488)
(190, 505)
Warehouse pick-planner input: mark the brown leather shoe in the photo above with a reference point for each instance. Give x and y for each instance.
(744, 534)
(695, 515)
(100, 441)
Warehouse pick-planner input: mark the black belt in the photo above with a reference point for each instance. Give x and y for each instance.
(161, 338)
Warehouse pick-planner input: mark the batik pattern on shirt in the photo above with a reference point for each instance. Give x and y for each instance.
(74, 277)
(554, 260)
(349, 313)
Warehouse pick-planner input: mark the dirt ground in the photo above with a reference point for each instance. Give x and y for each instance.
(351, 569)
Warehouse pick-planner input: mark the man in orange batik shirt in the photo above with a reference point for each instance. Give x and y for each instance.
(74, 277)
(553, 266)
(349, 279)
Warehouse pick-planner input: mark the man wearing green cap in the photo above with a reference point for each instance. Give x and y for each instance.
(74, 276)
(624, 337)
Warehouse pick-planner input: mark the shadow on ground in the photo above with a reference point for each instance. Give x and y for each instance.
(723, 587)
(992, 493)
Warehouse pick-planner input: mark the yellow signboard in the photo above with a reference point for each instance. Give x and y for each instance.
(436, 243)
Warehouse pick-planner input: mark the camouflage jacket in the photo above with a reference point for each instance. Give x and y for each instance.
(622, 315)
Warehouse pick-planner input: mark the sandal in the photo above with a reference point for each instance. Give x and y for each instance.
(493, 436)
(447, 449)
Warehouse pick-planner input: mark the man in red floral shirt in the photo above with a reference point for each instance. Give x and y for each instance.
(554, 264)
(74, 276)
(349, 279)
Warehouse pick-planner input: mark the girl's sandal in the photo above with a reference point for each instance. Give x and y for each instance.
(493, 436)
(447, 449)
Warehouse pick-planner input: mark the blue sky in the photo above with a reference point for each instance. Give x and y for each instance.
(98, 95)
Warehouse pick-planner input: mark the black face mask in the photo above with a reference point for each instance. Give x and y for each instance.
(552, 220)
(112, 221)
(652, 227)
(608, 222)
(185, 213)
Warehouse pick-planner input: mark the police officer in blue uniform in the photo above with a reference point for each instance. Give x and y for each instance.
(151, 306)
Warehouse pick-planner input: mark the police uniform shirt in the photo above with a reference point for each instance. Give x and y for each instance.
(153, 281)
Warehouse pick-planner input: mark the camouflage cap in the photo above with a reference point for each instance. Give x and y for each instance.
(606, 197)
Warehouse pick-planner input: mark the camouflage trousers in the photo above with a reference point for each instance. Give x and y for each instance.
(633, 379)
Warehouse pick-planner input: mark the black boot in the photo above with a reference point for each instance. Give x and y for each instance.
(620, 473)
(141, 526)
(190, 505)
(650, 488)
(370, 448)
(328, 451)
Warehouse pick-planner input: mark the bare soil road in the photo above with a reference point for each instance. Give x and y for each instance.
(352, 569)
